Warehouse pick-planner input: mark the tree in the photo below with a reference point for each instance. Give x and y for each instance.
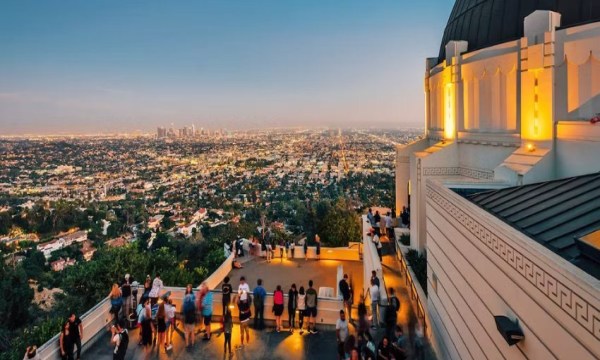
(339, 226)
(14, 308)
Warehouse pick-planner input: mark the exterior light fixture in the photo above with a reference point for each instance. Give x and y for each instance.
(531, 147)
(510, 330)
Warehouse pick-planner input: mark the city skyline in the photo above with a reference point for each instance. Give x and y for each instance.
(112, 68)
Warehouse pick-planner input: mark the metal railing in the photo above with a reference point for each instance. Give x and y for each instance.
(410, 283)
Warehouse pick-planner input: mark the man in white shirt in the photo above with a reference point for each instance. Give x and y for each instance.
(377, 243)
(341, 332)
(374, 294)
(243, 287)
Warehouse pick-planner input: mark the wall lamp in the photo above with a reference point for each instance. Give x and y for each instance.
(510, 330)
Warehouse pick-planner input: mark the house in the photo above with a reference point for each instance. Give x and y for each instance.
(61, 264)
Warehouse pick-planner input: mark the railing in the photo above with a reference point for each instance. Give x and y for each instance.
(410, 283)
(95, 321)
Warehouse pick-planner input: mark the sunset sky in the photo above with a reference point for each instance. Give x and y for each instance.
(119, 66)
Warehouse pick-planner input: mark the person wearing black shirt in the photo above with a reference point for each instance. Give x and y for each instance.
(126, 294)
(226, 290)
(384, 351)
(76, 333)
(346, 295)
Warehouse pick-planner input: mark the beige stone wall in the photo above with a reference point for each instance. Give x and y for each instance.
(480, 267)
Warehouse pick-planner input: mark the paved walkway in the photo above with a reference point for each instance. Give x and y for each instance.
(407, 316)
(266, 344)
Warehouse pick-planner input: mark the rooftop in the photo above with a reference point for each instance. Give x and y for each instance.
(553, 213)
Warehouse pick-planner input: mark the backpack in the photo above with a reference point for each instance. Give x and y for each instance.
(188, 304)
(395, 303)
(124, 343)
(259, 301)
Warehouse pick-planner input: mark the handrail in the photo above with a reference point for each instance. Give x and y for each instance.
(414, 294)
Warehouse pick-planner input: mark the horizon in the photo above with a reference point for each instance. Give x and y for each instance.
(111, 67)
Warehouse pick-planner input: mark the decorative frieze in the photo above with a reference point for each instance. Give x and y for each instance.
(561, 294)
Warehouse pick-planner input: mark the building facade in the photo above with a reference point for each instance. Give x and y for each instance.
(512, 99)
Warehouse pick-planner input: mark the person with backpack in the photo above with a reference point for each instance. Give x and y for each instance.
(311, 307)
(189, 315)
(278, 307)
(391, 314)
(292, 305)
(259, 295)
(120, 338)
(301, 308)
(145, 319)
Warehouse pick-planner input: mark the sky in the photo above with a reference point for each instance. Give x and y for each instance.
(120, 66)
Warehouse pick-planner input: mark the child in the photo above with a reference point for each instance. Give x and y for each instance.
(227, 328)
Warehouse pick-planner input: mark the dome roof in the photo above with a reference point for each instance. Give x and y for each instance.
(485, 23)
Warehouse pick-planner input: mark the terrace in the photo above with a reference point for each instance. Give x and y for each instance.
(266, 344)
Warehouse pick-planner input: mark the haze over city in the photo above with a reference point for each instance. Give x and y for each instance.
(88, 67)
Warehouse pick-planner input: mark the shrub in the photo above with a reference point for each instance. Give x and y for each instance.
(418, 262)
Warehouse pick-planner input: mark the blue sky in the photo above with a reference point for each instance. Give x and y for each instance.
(112, 66)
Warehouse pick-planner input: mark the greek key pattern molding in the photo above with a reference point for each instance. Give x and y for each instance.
(578, 308)
(463, 171)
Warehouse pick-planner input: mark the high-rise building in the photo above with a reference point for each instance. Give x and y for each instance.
(502, 189)
(161, 132)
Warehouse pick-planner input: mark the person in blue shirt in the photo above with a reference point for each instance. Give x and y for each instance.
(259, 296)
(207, 308)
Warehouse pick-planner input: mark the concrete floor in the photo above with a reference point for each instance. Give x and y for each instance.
(268, 344)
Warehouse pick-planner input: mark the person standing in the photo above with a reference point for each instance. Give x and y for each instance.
(120, 338)
(227, 329)
(375, 278)
(269, 250)
(311, 307)
(375, 239)
(170, 309)
(226, 290)
(161, 325)
(259, 295)
(370, 217)
(244, 316)
(399, 344)
(116, 302)
(341, 332)
(363, 322)
(278, 307)
(292, 305)
(391, 313)
(65, 343)
(384, 351)
(318, 244)
(157, 286)
(76, 332)
(243, 286)
(126, 293)
(147, 289)
(207, 309)
(346, 296)
(292, 248)
(301, 308)
(374, 294)
(189, 315)
(390, 228)
(145, 319)
(305, 247)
